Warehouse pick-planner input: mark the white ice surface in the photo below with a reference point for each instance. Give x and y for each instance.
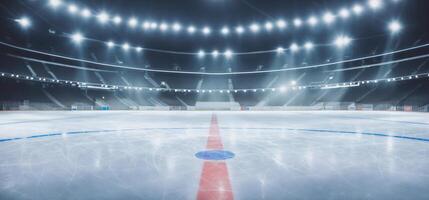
(150, 155)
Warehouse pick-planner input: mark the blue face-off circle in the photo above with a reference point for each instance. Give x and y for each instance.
(215, 155)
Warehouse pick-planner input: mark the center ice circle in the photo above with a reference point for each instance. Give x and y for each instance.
(215, 155)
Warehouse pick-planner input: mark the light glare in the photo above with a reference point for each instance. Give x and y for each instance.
(55, 3)
(395, 26)
(77, 38)
(281, 24)
(308, 45)
(86, 13)
(103, 17)
(24, 22)
(294, 47)
(132, 22)
(297, 22)
(225, 31)
(342, 41)
(72, 8)
(206, 31)
(328, 18)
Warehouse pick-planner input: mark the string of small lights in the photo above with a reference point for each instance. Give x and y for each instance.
(293, 85)
(292, 68)
(327, 18)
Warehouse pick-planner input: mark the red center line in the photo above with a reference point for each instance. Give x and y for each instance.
(214, 181)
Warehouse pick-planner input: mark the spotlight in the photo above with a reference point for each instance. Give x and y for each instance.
(342, 41)
(163, 26)
(191, 29)
(308, 45)
(126, 46)
(281, 24)
(72, 8)
(153, 25)
(312, 21)
(280, 50)
(139, 49)
(110, 44)
(86, 13)
(344, 13)
(268, 26)
(228, 53)
(294, 47)
(328, 18)
(239, 30)
(132, 22)
(215, 54)
(375, 4)
(177, 27)
(254, 28)
(201, 54)
(225, 31)
(24, 22)
(146, 25)
(206, 30)
(118, 20)
(293, 82)
(395, 26)
(297, 22)
(103, 17)
(77, 38)
(357, 9)
(55, 3)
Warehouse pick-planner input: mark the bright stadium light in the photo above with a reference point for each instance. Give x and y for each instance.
(344, 13)
(375, 4)
(24, 22)
(254, 28)
(328, 18)
(55, 3)
(313, 21)
(177, 27)
(215, 54)
(357, 9)
(206, 30)
(153, 25)
(86, 13)
(125, 46)
(293, 82)
(342, 41)
(280, 50)
(191, 29)
(72, 8)
(103, 17)
(117, 20)
(225, 31)
(139, 49)
(228, 53)
(163, 27)
(132, 22)
(297, 22)
(146, 25)
(308, 45)
(268, 26)
(281, 24)
(77, 38)
(201, 54)
(395, 26)
(239, 30)
(110, 44)
(294, 47)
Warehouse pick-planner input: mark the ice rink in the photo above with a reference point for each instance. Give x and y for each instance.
(214, 155)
